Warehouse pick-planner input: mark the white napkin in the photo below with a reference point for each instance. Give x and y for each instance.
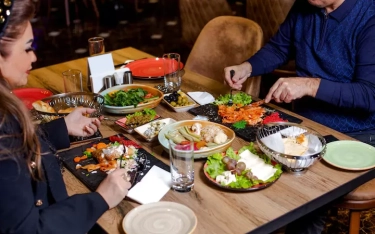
(201, 97)
(153, 186)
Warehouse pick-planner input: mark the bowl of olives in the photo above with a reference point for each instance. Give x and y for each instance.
(179, 101)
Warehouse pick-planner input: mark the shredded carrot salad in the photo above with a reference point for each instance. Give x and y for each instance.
(235, 113)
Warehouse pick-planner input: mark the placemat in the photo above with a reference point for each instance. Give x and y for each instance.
(248, 133)
(92, 180)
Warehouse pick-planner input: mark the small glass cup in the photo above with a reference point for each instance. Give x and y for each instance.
(72, 81)
(182, 166)
(96, 46)
(172, 74)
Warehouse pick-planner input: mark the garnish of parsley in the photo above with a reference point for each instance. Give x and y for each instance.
(240, 124)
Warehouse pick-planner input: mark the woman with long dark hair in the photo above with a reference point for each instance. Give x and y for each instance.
(33, 197)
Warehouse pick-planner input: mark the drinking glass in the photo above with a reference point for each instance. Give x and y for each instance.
(72, 81)
(96, 46)
(182, 166)
(172, 74)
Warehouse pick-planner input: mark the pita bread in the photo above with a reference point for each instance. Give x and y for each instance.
(43, 106)
(294, 146)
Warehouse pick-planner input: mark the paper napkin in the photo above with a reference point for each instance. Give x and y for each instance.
(201, 97)
(153, 186)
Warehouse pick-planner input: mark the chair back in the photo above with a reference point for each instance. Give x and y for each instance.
(195, 14)
(269, 14)
(226, 41)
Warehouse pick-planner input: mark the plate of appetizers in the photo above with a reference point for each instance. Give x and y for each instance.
(139, 118)
(208, 137)
(244, 170)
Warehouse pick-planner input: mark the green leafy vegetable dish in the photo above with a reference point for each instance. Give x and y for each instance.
(140, 117)
(244, 170)
(240, 98)
(131, 97)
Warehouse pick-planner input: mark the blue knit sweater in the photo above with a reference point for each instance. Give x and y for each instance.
(339, 48)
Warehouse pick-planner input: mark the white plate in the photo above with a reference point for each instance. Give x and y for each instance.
(181, 108)
(132, 109)
(160, 218)
(141, 129)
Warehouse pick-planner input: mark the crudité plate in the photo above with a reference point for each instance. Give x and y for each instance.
(160, 218)
(30, 95)
(149, 68)
(215, 166)
(350, 155)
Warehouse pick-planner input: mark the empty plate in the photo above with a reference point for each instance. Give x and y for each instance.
(350, 155)
(149, 68)
(160, 218)
(30, 95)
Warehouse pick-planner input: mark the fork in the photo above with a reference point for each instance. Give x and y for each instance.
(230, 102)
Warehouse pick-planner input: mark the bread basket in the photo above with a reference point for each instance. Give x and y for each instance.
(296, 164)
(62, 102)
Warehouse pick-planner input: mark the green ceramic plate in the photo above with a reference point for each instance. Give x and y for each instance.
(350, 155)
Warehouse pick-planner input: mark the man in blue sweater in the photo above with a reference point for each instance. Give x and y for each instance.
(333, 44)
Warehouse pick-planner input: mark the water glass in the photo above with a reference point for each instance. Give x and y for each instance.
(172, 74)
(182, 166)
(96, 46)
(72, 81)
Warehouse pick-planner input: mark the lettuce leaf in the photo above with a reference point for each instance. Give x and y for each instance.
(231, 154)
(215, 166)
(241, 182)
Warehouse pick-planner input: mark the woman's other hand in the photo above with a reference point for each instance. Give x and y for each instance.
(80, 125)
(114, 187)
(241, 73)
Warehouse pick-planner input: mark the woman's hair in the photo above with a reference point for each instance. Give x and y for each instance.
(11, 108)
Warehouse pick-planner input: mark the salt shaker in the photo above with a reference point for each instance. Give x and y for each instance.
(128, 77)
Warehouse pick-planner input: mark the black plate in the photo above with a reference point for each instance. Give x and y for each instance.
(92, 180)
(248, 133)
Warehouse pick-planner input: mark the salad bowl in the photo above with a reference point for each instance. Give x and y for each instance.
(204, 152)
(116, 109)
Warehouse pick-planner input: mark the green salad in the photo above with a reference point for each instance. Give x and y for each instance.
(131, 97)
(238, 98)
(219, 164)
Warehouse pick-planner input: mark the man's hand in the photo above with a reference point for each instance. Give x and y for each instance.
(289, 89)
(241, 73)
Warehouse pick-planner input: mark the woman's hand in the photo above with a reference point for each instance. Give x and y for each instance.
(289, 89)
(114, 187)
(80, 125)
(241, 73)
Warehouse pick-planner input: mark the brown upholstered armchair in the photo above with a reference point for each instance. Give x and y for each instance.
(195, 14)
(225, 41)
(269, 14)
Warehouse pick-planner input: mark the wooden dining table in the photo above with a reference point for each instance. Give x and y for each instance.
(217, 210)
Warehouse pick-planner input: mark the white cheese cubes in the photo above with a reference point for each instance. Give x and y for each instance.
(258, 167)
(226, 178)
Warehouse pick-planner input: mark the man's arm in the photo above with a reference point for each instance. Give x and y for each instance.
(359, 94)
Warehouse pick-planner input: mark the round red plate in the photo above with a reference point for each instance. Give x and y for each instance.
(150, 68)
(30, 95)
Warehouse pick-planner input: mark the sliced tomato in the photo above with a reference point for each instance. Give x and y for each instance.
(149, 95)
